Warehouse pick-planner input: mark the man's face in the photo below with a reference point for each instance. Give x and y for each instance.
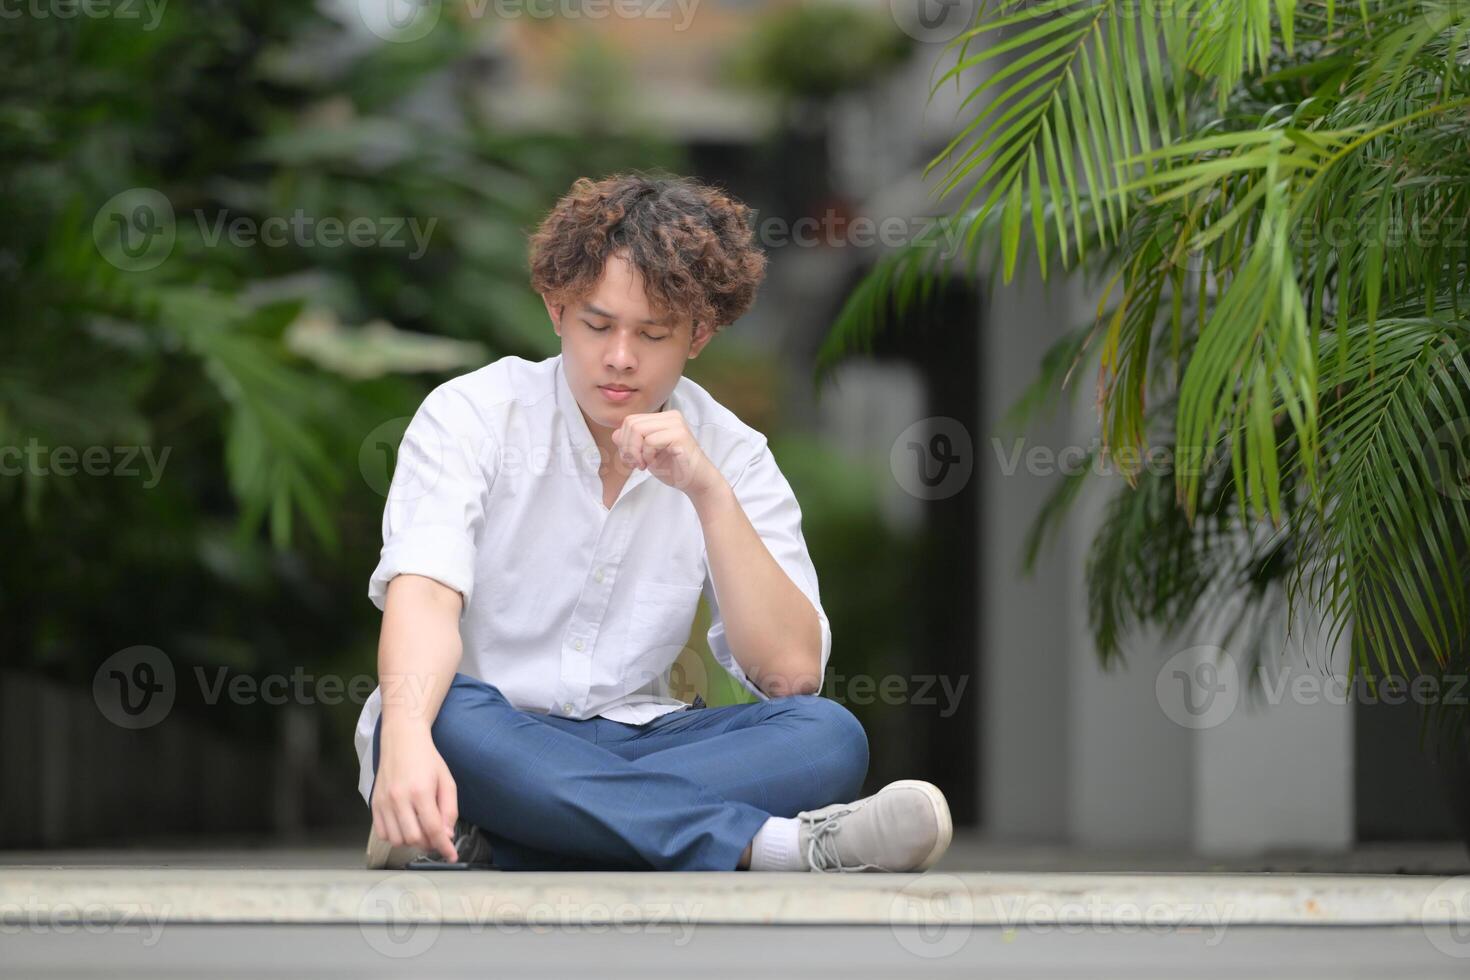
(611, 338)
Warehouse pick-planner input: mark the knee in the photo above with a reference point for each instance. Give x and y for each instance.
(461, 717)
(844, 734)
(466, 694)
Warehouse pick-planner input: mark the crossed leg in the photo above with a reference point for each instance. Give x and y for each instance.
(784, 755)
(688, 791)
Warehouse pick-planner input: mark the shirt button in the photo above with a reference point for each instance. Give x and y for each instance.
(567, 707)
(577, 645)
(599, 576)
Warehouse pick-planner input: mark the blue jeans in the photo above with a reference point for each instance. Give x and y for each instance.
(684, 792)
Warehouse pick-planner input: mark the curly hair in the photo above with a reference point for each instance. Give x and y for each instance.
(693, 244)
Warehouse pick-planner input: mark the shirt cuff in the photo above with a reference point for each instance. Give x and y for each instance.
(440, 553)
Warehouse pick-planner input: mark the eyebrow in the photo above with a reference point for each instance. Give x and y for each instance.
(598, 311)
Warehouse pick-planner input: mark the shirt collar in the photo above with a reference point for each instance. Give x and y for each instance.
(575, 425)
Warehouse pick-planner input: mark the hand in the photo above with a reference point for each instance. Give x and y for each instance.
(415, 801)
(661, 443)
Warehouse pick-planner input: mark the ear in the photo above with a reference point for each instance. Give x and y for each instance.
(555, 312)
(699, 343)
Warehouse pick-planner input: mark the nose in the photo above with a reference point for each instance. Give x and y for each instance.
(618, 355)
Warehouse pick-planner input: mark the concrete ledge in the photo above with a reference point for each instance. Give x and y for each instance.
(1015, 900)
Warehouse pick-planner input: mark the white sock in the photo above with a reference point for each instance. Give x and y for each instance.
(775, 846)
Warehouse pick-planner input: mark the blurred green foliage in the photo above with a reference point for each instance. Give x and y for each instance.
(818, 50)
(261, 368)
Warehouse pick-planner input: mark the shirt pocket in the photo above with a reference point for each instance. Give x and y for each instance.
(662, 617)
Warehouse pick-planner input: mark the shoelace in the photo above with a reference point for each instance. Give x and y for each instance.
(821, 847)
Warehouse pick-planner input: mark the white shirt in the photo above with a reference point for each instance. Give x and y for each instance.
(570, 608)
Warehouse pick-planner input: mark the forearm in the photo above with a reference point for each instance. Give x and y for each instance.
(772, 627)
(419, 651)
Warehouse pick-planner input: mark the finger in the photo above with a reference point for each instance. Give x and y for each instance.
(620, 440)
(380, 829)
(628, 424)
(654, 454)
(633, 448)
(662, 446)
(658, 435)
(433, 822)
(448, 802)
(391, 832)
(448, 798)
(408, 824)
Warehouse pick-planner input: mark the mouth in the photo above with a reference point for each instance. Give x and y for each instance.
(616, 393)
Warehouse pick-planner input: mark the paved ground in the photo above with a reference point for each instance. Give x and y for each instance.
(739, 952)
(987, 910)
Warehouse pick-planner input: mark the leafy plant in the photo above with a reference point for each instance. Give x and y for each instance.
(260, 367)
(1273, 200)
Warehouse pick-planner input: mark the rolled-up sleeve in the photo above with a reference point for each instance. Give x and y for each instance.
(768, 501)
(438, 496)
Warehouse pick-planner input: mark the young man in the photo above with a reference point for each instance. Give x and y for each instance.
(548, 534)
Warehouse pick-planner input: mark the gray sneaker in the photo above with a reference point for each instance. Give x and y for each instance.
(469, 843)
(905, 826)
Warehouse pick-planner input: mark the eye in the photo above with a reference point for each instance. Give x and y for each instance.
(597, 329)
(652, 337)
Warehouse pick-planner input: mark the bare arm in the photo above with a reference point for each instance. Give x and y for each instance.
(773, 628)
(415, 800)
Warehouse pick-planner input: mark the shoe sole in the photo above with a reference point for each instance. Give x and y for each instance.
(941, 813)
(378, 851)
